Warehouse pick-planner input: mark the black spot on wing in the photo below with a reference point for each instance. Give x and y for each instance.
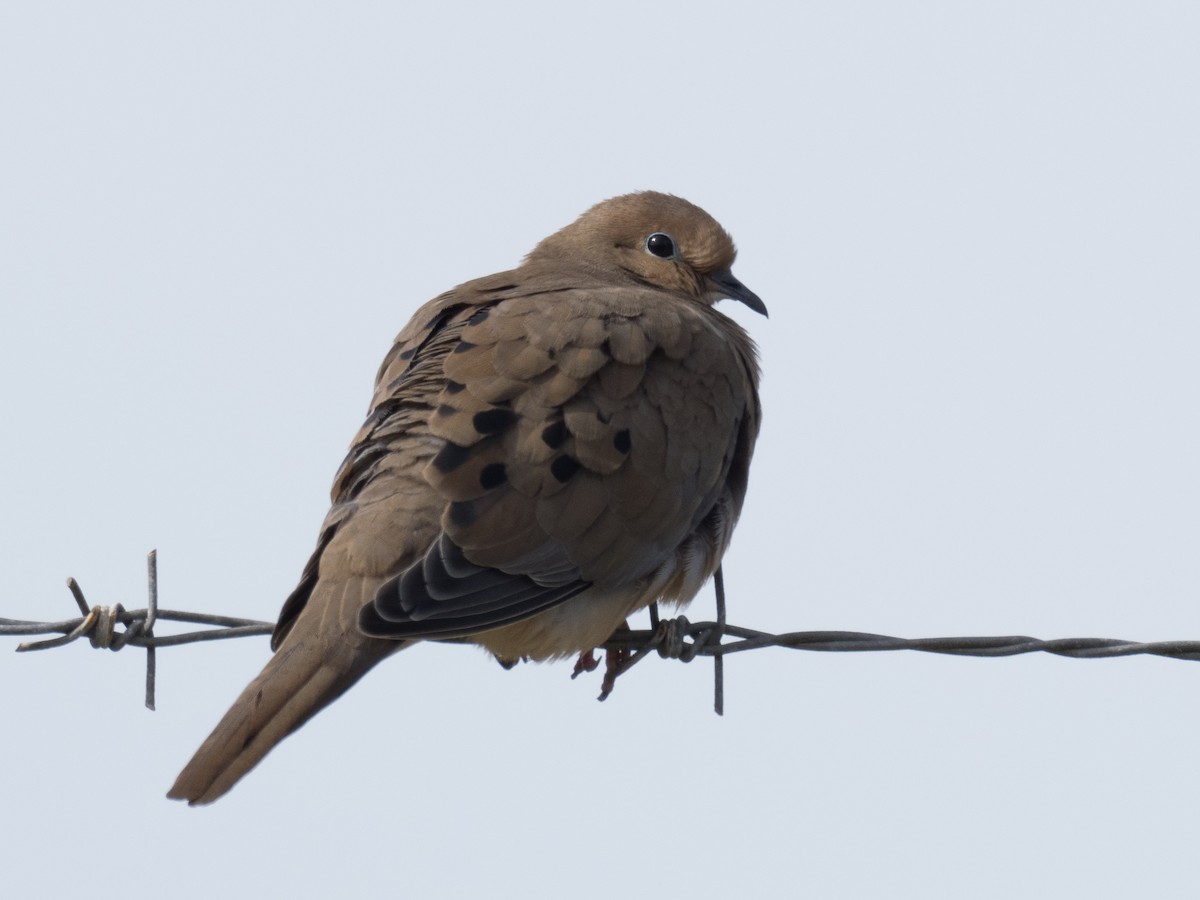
(492, 476)
(554, 435)
(564, 467)
(450, 457)
(493, 421)
(622, 442)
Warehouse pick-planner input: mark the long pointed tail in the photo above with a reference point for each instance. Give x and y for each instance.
(300, 679)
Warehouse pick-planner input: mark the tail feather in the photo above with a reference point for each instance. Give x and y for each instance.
(297, 682)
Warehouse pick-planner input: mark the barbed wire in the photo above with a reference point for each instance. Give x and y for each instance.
(676, 638)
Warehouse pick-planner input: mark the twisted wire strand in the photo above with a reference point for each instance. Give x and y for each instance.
(114, 627)
(859, 642)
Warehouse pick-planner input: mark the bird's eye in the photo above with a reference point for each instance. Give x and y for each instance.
(661, 245)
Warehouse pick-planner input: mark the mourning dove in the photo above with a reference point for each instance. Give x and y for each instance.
(548, 450)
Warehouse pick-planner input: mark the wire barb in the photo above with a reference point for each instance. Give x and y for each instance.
(99, 624)
(114, 627)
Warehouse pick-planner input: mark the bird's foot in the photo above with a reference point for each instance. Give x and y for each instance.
(615, 661)
(587, 662)
(614, 665)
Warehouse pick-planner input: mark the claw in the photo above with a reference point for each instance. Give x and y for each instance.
(587, 662)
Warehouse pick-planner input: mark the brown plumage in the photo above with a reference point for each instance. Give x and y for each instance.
(548, 450)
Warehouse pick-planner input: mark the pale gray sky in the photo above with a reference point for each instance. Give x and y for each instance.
(976, 227)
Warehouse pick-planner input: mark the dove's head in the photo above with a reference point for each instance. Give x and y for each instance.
(655, 239)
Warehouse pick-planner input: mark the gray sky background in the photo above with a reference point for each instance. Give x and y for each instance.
(976, 227)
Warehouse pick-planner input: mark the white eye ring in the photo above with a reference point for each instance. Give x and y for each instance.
(662, 245)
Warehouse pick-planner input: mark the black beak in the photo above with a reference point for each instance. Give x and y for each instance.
(725, 285)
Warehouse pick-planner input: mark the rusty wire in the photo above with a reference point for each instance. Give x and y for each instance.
(675, 638)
